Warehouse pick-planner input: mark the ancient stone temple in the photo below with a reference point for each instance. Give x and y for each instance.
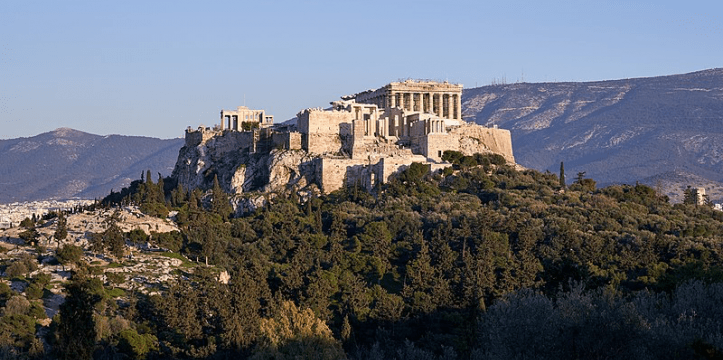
(235, 119)
(361, 139)
(441, 99)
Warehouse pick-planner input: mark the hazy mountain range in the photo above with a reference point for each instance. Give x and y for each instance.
(67, 163)
(665, 131)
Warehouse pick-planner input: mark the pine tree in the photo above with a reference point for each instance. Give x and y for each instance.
(580, 177)
(76, 330)
(61, 232)
(69, 254)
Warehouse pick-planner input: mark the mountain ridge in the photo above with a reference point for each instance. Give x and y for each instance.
(67, 163)
(617, 131)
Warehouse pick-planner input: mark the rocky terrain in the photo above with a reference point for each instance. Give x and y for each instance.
(144, 270)
(666, 129)
(240, 172)
(66, 164)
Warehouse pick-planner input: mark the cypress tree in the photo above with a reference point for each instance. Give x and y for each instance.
(220, 202)
(161, 195)
(562, 175)
(61, 231)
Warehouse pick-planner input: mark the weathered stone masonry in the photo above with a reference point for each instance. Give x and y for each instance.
(364, 138)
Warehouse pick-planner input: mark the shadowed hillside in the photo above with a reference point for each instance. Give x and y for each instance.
(618, 131)
(68, 163)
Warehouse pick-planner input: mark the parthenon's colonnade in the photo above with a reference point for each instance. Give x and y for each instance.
(442, 99)
(234, 119)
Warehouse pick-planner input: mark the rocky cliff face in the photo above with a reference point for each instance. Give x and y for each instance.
(240, 170)
(252, 161)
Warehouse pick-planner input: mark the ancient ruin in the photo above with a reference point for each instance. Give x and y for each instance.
(244, 118)
(361, 139)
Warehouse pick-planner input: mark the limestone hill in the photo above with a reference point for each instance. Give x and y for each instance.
(361, 141)
(148, 268)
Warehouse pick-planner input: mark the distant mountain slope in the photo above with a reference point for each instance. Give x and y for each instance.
(67, 163)
(618, 131)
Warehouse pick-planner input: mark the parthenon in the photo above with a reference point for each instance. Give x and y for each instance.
(441, 99)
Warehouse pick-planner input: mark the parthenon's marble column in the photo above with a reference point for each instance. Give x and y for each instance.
(450, 106)
(453, 103)
(440, 105)
(459, 107)
(392, 100)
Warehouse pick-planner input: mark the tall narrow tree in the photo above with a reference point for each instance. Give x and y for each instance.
(61, 231)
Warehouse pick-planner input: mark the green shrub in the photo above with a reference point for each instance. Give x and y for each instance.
(34, 291)
(136, 345)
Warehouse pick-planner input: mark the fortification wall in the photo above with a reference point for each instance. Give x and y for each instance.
(287, 140)
(201, 135)
(331, 173)
(322, 132)
(391, 165)
(373, 150)
(234, 141)
(222, 141)
(478, 139)
(433, 145)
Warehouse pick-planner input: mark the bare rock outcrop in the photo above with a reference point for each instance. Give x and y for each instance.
(241, 170)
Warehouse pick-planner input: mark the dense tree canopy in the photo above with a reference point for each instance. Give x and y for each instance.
(479, 261)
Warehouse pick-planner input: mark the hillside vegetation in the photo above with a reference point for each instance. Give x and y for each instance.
(481, 261)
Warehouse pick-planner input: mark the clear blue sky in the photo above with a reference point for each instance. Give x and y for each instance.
(154, 67)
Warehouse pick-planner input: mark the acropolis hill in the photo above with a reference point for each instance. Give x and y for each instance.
(361, 140)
